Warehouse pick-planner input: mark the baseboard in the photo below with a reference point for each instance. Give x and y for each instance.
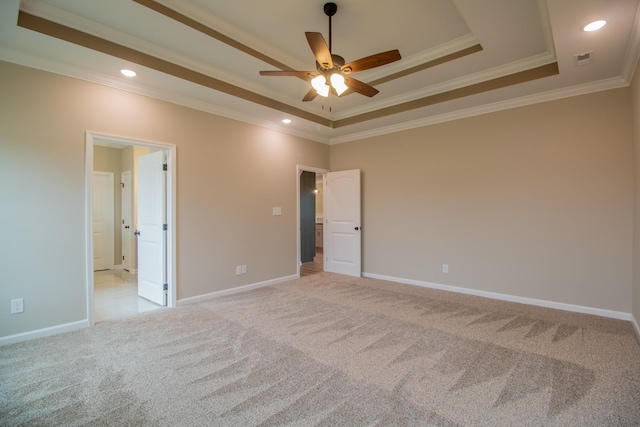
(505, 297)
(118, 267)
(634, 322)
(40, 333)
(205, 297)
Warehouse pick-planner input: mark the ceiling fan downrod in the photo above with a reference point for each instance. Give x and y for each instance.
(330, 9)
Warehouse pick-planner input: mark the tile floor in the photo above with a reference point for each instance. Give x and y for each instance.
(115, 295)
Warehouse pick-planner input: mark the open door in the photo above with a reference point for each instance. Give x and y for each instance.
(152, 248)
(342, 238)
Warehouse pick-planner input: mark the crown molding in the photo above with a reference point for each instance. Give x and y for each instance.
(206, 18)
(547, 31)
(71, 20)
(552, 95)
(633, 50)
(163, 95)
(420, 58)
(490, 74)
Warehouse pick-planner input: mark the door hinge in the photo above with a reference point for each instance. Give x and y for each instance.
(165, 287)
(123, 257)
(122, 183)
(164, 167)
(123, 222)
(164, 227)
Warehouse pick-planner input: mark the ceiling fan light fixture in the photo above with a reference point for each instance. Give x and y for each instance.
(318, 82)
(323, 91)
(330, 67)
(337, 81)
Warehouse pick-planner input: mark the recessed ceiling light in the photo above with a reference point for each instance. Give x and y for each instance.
(595, 25)
(128, 73)
(286, 121)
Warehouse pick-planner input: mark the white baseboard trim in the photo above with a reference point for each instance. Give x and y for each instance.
(118, 267)
(205, 297)
(635, 326)
(505, 297)
(40, 333)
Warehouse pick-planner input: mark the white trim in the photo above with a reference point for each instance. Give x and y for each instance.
(420, 58)
(237, 290)
(133, 270)
(23, 59)
(118, 267)
(299, 170)
(552, 95)
(40, 333)
(30, 61)
(449, 85)
(634, 322)
(90, 138)
(633, 50)
(505, 297)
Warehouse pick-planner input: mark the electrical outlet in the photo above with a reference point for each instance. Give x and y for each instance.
(445, 268)
(238, 270)
(244, 269)
(17, 306)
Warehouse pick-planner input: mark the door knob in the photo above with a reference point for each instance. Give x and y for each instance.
(126, 226)
(357, 228)
(136, 233)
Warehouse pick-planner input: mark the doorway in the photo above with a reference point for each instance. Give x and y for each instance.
(119, 284)
(310, 207)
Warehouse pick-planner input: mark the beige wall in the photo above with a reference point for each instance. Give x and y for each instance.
(635, 94)
(229, 176)
(533, 202)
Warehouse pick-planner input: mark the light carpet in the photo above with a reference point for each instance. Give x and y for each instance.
(330, 350)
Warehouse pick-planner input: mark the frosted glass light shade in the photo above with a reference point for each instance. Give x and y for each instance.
(337, 81)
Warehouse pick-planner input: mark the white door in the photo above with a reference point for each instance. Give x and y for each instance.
(151, 234)
(103, 230)
(127, 220)
(342, 238)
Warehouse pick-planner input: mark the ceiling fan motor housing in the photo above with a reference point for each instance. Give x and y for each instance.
(338, 62)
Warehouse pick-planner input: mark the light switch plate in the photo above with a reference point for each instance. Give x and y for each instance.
(277, 211)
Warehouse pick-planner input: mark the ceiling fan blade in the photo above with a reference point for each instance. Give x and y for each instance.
(310, 96)
(288, 73)
(320, 50)
(360, 87)
(371, 61)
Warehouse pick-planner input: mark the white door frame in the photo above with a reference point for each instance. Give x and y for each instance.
(127, 233)
(299, 170)
(90, 138)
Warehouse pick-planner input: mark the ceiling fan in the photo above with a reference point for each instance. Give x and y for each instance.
(332, 72)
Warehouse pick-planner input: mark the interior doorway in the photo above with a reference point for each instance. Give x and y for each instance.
(310, 206)
(113, 292)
